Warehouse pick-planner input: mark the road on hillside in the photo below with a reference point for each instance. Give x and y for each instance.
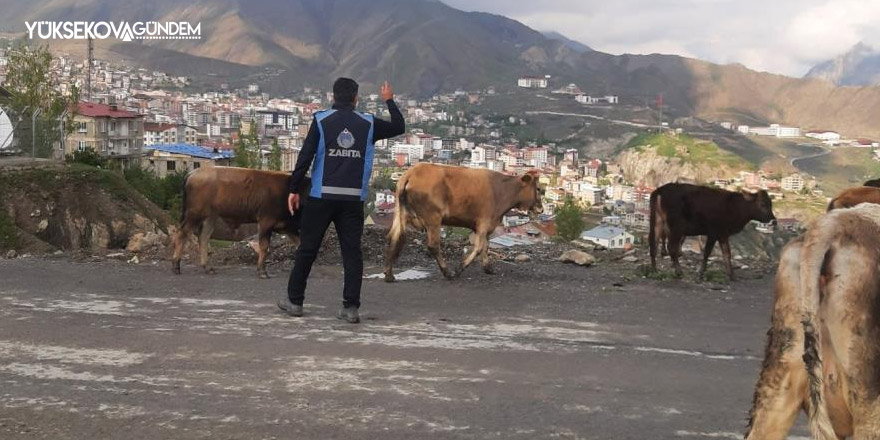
(811, 156)
(109, 350)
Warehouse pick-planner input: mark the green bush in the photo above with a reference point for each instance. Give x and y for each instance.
(569, 220)
(87, 157)
(163, 192)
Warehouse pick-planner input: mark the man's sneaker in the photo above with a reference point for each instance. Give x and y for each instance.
(289, 307)
(349, 314)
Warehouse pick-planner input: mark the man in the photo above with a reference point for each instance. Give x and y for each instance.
(340, 141)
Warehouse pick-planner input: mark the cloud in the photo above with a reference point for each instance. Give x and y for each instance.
(780, 36)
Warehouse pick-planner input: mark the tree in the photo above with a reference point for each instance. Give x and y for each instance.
(275, 156)
(28, 78)
(569, 220)
(384, 182)
(247, 149)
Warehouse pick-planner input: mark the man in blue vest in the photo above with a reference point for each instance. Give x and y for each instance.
(339, 150)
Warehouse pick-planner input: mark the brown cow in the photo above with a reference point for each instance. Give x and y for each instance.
(680, 210)
(828, 365)
(238, 196)
(853, 196)
(430, 195)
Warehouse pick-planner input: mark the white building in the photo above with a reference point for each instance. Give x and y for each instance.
(157, 133)
(610, 237)
(824, 135)
(793, 182)
(776, 130)
(478, 155)
(532, 82)
(415, 152)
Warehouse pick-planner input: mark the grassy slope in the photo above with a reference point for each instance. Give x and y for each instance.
(843, 168)
(689, 149)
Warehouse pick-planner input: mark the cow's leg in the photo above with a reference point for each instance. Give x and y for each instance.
(180, 240)
(205, 232)
(265, 236)
(479, 241)
(707, 250)
(725, 250)
(484, 256)
(433, 232)
(673, 243)
(782, 385)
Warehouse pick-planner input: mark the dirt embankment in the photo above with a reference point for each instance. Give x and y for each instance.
(73, 207)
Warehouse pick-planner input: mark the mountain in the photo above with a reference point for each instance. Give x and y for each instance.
(425, 46)
(571, 44)
(860, 66)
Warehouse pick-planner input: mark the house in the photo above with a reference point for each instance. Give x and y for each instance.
(166, 159)
(107, 129)
(865, 143)
(159, 133)
(611, 237)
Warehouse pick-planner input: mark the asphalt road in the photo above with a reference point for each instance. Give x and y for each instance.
(111, 350)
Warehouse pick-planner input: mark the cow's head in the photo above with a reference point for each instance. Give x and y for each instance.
(529, 193)
(761, 207)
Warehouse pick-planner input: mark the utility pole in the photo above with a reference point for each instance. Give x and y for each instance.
(34, 116)
(91, 60)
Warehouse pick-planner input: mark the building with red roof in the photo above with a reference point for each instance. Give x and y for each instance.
(107, 129)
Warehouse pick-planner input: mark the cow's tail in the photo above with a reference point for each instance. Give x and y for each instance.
(652, 225)
(398, 227)
(817, 250)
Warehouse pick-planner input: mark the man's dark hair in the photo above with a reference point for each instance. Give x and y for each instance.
(344, 90)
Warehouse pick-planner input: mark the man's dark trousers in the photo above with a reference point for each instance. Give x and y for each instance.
(348, 217)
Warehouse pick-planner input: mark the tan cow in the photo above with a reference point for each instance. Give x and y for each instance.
(430, 195)
(238, 196)
(828, 365)
(853, 196)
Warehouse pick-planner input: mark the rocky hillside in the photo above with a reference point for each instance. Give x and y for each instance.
(75, 207)
(860, 66)
(655, 159)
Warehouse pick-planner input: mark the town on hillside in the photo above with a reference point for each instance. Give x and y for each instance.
(148, 119)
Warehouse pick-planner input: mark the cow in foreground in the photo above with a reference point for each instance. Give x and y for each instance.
(680, 210)
(237, 196)
(853, 196)
(823, 347)
(430, 195)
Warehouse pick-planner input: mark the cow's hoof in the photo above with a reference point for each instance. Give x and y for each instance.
(263, 275)
(389, 278)
(489, 270)
(175, 270)
(210, 271)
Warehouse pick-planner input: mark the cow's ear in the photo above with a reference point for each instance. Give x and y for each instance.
(527, 178)
(748, 195)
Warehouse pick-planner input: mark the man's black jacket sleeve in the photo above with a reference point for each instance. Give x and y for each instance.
(383, 129)
(306, 155)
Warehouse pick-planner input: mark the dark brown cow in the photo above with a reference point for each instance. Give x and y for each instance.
(823, 346)
(873, 182)
(430, 195)
(680, 210)
(237, 196)
(853, 196)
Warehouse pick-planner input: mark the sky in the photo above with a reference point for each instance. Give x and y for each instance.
(780, 36)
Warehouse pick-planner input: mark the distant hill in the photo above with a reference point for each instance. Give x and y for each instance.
(860, 66)
(425, 46)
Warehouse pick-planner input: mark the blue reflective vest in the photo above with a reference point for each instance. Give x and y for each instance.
(344, 158)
